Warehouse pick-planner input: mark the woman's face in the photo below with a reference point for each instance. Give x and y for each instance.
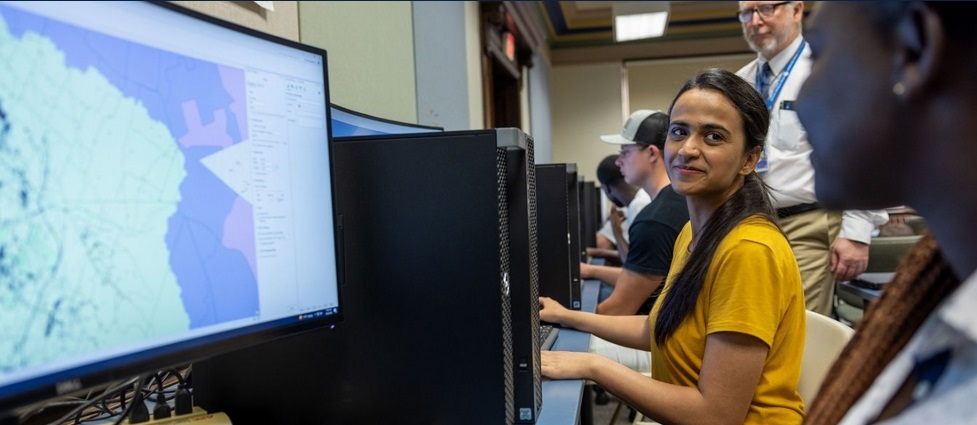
(705, 148)
(861, 149)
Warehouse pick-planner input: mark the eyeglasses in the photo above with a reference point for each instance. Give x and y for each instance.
(765, 11)
(634, 148)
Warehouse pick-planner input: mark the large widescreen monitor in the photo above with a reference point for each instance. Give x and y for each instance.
(166, 192)
(347, 122)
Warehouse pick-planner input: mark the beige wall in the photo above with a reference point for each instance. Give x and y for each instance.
(283, 21)
(653, 84)
(371, 54)
(590, 100)
(585, 102)
(473, 63)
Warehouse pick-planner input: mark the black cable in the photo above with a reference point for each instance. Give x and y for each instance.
(137, 412)
(162, 409)
(183, 399)
(179, 377)
(108, 393)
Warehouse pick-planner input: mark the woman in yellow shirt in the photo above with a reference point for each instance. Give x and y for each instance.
(727, 334)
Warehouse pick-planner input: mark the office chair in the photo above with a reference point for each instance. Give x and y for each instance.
(824, 339)
(884, 255)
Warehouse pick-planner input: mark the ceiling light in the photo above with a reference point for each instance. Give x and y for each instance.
(639, 19)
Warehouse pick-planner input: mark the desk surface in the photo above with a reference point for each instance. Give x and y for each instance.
(561, 399)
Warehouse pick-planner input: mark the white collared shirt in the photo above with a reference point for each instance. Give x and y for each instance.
(790, 173)
(954, 398)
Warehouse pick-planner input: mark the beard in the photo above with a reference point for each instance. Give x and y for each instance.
(769, 47)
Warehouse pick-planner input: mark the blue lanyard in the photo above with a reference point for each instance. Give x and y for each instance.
(783, 76)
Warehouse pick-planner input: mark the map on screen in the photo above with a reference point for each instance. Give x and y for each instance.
(126, 209)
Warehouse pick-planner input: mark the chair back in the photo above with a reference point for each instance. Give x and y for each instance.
(885, 252)
(825, 337)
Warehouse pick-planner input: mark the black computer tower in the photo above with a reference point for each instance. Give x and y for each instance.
(441, 295)
(590, 215)
(559, 233)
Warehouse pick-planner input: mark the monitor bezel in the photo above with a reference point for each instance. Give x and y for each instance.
(423, 128)
(33, 393)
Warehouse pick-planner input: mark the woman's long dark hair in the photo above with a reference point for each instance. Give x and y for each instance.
(751, 199)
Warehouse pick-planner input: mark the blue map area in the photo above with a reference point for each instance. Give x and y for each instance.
(217, 283)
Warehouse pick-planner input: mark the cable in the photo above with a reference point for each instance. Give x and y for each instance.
(162, 409)
(137, 412)
(183, 399)
(108, 392)
(121, 396)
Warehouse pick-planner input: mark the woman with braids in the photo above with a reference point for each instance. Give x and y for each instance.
(890, 109)
(727, 333)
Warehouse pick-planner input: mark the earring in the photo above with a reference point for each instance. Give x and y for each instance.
(898, 89)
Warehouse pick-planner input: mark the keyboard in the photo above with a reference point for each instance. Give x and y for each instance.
(547, 336)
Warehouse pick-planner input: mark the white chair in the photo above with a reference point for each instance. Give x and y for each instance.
(824, 339)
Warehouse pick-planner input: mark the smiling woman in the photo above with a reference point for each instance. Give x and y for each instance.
(727, 334)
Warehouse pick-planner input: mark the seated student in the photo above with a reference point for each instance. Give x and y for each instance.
(652, 232)
(727, 333)
(612, 238)
(889, 107)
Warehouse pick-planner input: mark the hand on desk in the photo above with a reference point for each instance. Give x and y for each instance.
(551, 311)
(565, 364)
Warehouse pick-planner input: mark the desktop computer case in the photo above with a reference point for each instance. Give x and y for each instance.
(559, 233)
(590, 215)
(440, 297)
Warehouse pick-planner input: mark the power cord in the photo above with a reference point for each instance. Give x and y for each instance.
(183, 400)
(162, 409)
(136, 411)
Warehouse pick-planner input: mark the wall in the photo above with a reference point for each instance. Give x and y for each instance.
(540, 115)
(586, 102)
(590, 100)
(473, 66)
(440, 45)
(653, 84)
(371, 54)
(283, 21)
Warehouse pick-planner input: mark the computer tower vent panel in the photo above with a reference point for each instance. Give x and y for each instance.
(503, 202)
(534, 265)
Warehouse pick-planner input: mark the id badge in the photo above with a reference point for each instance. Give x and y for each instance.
(761, 165)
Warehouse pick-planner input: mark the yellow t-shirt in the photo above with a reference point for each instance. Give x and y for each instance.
(753, 287)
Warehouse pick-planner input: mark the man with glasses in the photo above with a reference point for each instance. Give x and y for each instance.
(829, 245)
(653, 231)
(651, 235)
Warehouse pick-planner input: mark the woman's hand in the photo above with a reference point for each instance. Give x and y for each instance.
(565, 364)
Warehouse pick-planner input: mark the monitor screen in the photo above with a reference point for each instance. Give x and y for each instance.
(165, 192)
(346, 122)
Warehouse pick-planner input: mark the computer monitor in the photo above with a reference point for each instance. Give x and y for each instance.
(347, 122)
(165, 193)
